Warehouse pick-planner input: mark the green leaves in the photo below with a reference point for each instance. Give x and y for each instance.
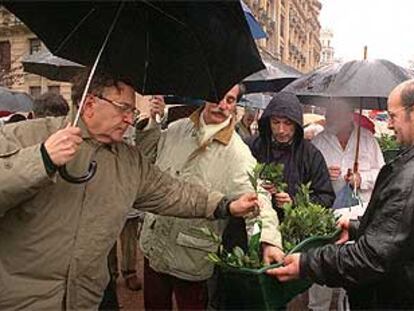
(273, 173)
(268, 172)
(237, 258)
(305, 219)
(387, 142)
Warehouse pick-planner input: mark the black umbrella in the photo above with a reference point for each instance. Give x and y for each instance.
(11, 101)
(362, 83)
(193, 48)
(50, 66)
(189, 48)
(272, 79)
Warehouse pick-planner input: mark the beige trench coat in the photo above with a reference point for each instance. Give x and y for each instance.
(55, 236)
(169, 243)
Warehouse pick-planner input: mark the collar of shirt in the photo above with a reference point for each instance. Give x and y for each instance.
(220, 132)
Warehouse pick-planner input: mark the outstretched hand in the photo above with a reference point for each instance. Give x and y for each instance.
(272, 254)
(289, 271)
(244, 205)
(343, 224)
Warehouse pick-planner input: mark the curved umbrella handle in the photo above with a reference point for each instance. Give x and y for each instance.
(78, 180)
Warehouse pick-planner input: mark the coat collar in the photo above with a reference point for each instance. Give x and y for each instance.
(223, 136)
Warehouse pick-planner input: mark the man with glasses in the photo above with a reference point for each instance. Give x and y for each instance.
(55, 236)
(377, 270)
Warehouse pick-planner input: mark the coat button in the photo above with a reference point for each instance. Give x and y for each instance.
(177, 173)
(8, 165)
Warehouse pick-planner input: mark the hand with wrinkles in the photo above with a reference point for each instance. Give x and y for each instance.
(63, 145)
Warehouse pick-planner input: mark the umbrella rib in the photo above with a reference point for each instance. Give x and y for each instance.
(74, 30)
(98, 57)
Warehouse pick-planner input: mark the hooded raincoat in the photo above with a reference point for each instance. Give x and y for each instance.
(303, 163)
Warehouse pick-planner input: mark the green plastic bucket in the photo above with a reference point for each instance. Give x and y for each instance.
(253, 289)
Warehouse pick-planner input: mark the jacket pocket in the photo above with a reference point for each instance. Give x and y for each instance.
(186, 240)
(8, 163)
(6, 154)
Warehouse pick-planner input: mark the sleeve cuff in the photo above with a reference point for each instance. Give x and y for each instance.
(303, 267)
(223, 208)
(47, 161)
(353, 228)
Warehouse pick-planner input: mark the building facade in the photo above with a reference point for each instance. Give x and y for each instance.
(293, 30)
(328, 52)
(16, 42)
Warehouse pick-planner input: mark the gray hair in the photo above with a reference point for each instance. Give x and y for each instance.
(100, 80)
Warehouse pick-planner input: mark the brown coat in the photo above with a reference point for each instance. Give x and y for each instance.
(55, 236)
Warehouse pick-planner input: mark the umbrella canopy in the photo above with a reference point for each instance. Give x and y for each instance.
(12, 101)
(49, 66)
(255, 28)
(361, 83)
(189, 48)
(272, 79)
(259, 101)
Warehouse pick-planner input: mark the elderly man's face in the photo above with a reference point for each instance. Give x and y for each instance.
(218, 113)
(107, 117)
(400, 121)
(248, 118)
(283, 129)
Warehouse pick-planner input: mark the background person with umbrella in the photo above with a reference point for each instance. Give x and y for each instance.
(377, 270)
(338, 144)
(55, 236)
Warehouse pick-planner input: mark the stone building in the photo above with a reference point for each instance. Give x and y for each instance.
(328, 52)
(16, 42)
(293, 30)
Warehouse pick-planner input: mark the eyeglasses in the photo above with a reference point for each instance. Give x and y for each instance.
(393, 114)
(122, 107)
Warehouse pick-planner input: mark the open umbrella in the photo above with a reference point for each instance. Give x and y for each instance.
(255, 28)
(47, 65)
(363, 83)
(273, 78)
(258, 101)
(12, 101)
(194, 48)
(189, 48)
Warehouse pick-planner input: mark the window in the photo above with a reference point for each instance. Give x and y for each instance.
(34, 91)
(5, 56)
(54, 89)
(35, 45)
(282, 26)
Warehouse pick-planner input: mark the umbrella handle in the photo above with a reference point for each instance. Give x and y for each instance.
(81, 179)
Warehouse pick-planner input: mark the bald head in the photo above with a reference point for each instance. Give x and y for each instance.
(405, 92)
(400, 112)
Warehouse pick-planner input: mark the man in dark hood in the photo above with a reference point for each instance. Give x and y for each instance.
(281, 140)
